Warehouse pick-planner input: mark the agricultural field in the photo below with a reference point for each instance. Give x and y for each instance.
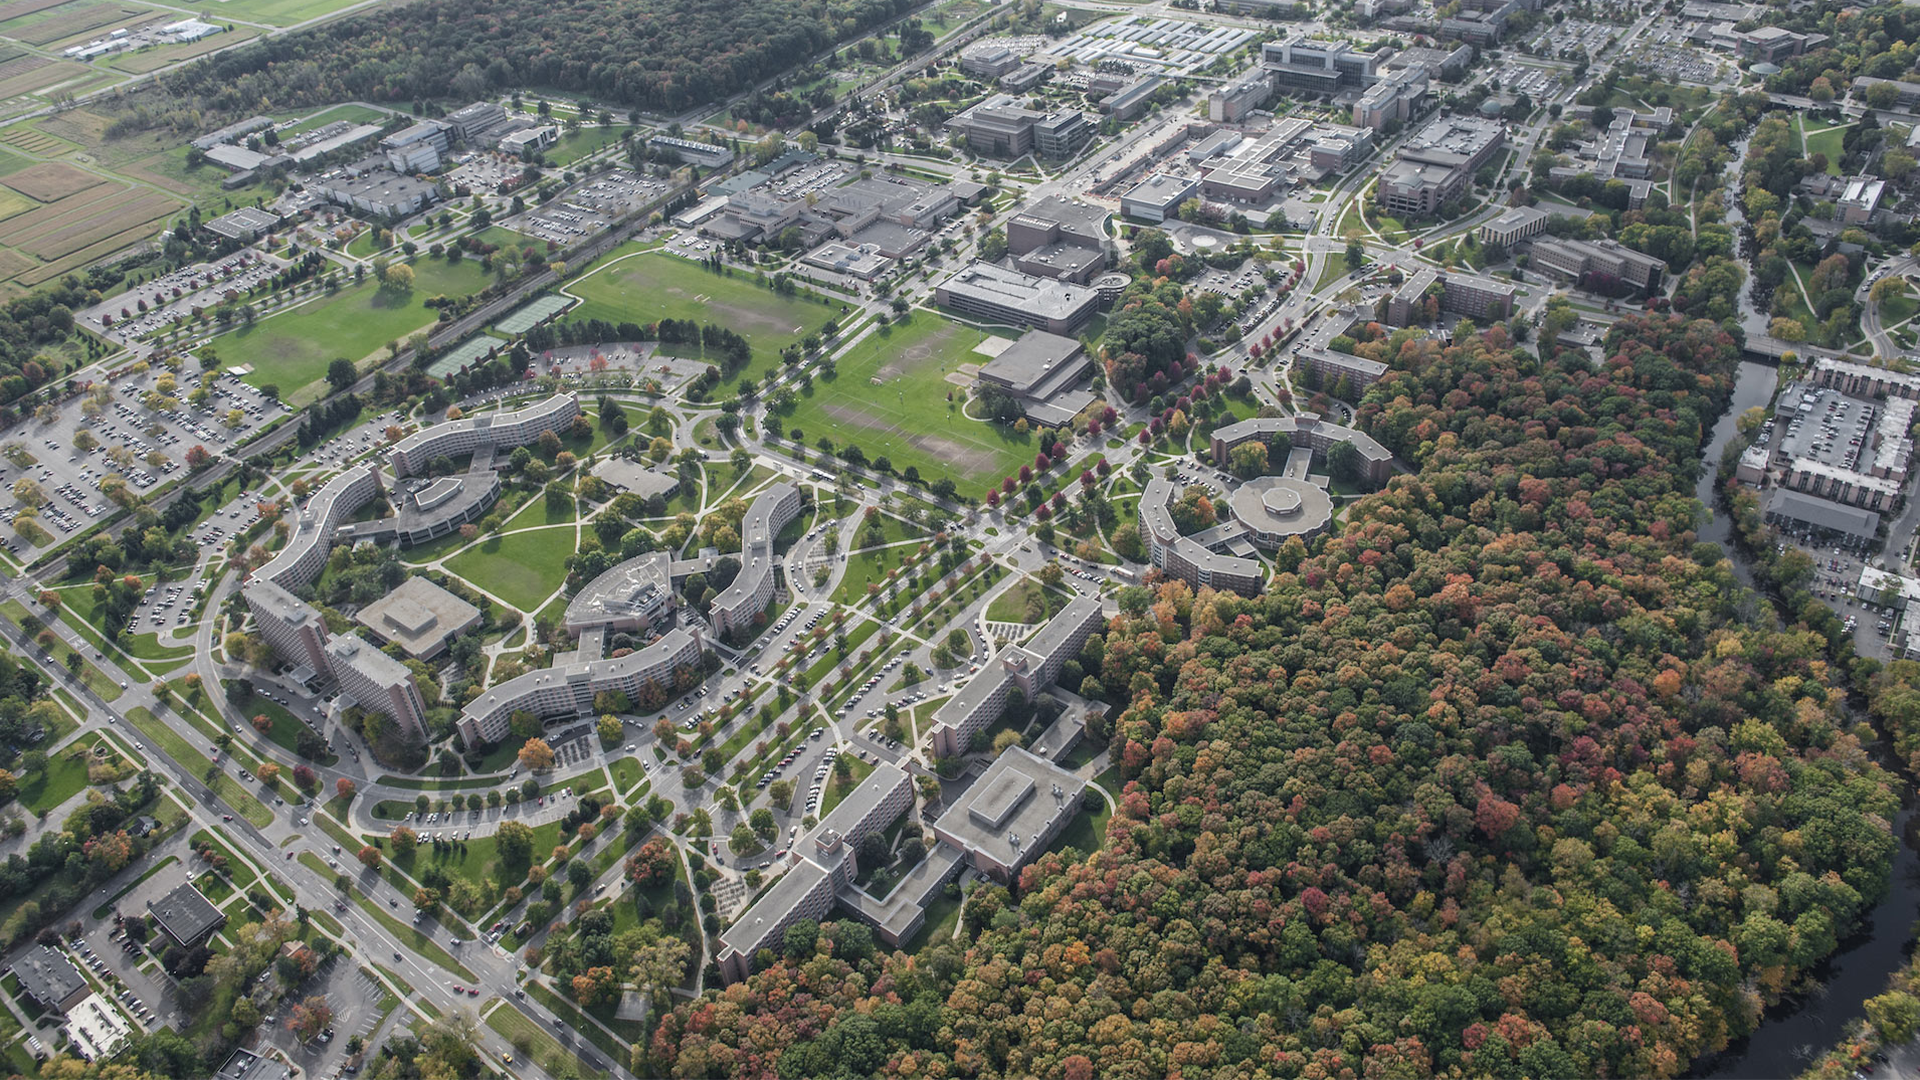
(892, 397)
(292, 349)
(644, 288)
(56, 217)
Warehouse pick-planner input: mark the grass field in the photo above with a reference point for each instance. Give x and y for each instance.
(580, 142)
(891, 398)
(293, 349)
(517, 1028)
(1027, 601)
(275, 12)
(649, 287)
(523, 569)
(1826, 141)
(62, 779)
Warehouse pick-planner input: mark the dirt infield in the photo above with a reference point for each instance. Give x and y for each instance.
(52, 180)
(971, 459)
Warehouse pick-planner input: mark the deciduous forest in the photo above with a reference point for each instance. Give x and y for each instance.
(661, 55)
(1509, 778)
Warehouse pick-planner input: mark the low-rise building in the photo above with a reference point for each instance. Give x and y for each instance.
(185, 915)
(989, 60)
(492, 431)
(648, 677)
(529, 140)
(1862, 380)
(1009, 815)
(1395, 98)
(634, 595)
(1191, 558)
(997, 294)
(1515, 225)
(1234, 103)
(49, 978)
(471, 121)
(705, 155)
(1455, 294)
(1436, 165)
(998, 127)
(1040, 371)
(1317, 67)
(1305, 433)
(420, 617)
(1597, 261)
(380, 192)
(1772, 44)
(1158, 197)
(824, 868)
(1330, 367)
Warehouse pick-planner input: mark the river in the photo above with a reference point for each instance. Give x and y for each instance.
(1794, 1032)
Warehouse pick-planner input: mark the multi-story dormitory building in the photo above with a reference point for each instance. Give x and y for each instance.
(507, 429)
(568, 690)
(291, 626)
(1007, 817)
(1030, 668)
(753, 587)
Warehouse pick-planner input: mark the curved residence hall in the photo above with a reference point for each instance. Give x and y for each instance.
(751, 591)
(424, 510)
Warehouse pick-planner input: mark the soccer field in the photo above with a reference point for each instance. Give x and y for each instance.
(650, 286)
(891, 398)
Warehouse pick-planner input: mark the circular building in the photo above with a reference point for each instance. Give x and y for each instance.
(1274, 508)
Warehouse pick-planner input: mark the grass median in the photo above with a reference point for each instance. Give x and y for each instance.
(225, 787)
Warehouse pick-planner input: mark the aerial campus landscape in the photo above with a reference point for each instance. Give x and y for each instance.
(1049, 538)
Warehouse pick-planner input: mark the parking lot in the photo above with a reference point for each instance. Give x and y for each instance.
(157, 304)
(1573, 39)
(112, 430)
(1675, 61)
(1536, 82)
(482, 172)
(588, 207)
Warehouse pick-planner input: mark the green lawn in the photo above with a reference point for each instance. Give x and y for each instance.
(646, 287)
(891, 398)
(869, 567)
(1828, 141)
(293, 349)
(1027, 601)
(244, 801)
(1898, 309)
(62, 779)
(1086, 833)
(580, 142)
(837, 790)
(523, 569)
(286, 728)
(536, 512)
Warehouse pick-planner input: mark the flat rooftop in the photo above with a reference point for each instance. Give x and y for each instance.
(1019, 796)
(419, 616)
(1034, 358)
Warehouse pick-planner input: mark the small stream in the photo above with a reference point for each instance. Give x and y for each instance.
(1792, 1033)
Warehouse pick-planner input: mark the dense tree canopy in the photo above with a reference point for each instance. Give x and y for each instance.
(663, 55)
(1499, 781)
